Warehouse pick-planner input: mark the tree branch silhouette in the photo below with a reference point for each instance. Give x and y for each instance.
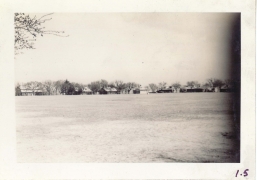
(28, 29)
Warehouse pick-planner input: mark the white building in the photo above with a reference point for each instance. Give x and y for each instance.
(143, 91)
(87, 91)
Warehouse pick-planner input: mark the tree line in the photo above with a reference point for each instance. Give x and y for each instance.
(72, 88)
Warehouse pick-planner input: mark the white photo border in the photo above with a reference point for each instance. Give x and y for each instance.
(10, 169)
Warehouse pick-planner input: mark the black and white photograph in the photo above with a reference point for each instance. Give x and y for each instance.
(127, 87)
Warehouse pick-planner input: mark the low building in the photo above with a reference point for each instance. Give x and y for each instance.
(183, 89)
(226, 88)
(136, 91)
(167, 90)
(199, 89)
(108, 90)
(124, 91)
(26, 92)
(143, 91)
(209, 89)
(194, 89)
(87, 91)
(132, 91)
(31, 92)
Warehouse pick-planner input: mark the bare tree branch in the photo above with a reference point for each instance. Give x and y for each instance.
(27, 27)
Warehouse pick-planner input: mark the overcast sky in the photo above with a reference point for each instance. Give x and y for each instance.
(139, 47)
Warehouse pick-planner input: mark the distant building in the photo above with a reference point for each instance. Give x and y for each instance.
(124, 91)
(108, 90)
(131, 91)
(166, 90)
(143, 91)
(208, 89)
(183, 89)
(199, 89)
(194, 89)
(136, 91)
(31, 92)
(87, 91)
(226, 88)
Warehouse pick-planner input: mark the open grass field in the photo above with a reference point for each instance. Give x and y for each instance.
(188, 127)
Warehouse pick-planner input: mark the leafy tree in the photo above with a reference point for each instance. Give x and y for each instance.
(229, 83)
(58, 86)
(190, 84)
(193, 84)
(214, 82)
(28, 28)
(112, 85)
(71, 90)
(67, 88)
(103, 83)
(17, 90)
(95, 86)
(119, 85)
(210, 82)
(130, 85)
(34, 85)
(153, 87)
(162, 85)
(49, 87)
(147, 88)
(176, 86)
(138, 86)
(206, 85)
(218, 83)
(78, 88)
